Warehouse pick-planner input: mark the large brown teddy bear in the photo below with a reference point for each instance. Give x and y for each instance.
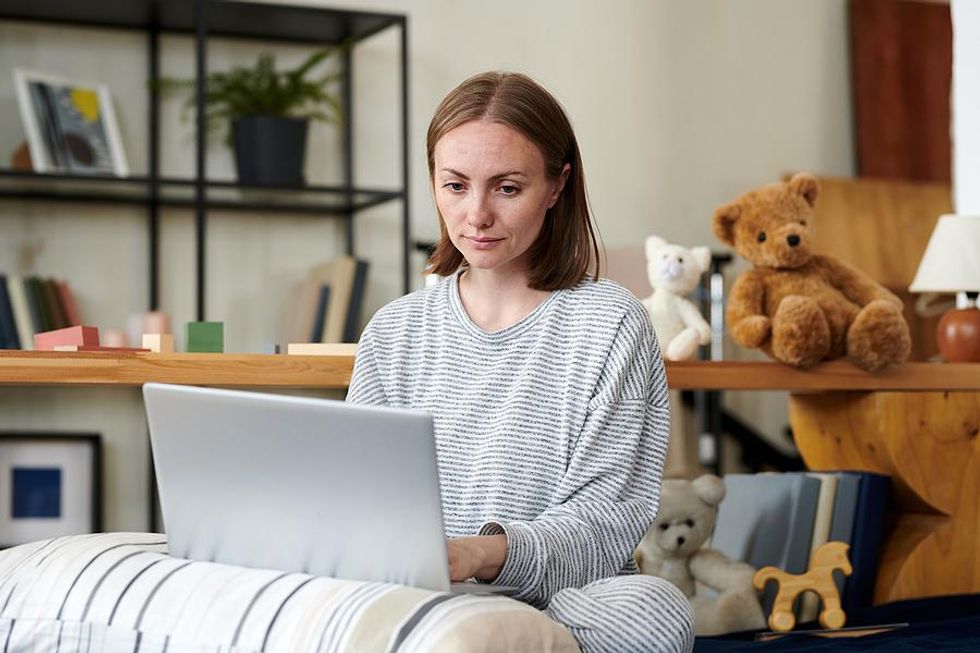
(799, 307)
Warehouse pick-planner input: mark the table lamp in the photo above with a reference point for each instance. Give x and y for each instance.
(951, 264)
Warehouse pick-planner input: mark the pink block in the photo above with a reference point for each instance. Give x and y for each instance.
(77, 335)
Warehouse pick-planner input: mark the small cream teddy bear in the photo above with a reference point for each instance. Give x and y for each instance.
(673, 549)
(675, 271)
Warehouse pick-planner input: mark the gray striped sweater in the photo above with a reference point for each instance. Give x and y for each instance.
(553, 430)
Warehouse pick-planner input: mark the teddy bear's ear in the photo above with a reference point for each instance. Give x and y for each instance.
(710, 489)
(806, 186)
(653, 244)
(702, 256)
(723, 222)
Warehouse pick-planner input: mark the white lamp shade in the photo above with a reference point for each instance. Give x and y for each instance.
(951, 262)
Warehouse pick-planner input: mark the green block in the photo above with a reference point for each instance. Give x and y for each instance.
(206, 337)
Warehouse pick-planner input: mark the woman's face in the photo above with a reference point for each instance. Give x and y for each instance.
(492, 192)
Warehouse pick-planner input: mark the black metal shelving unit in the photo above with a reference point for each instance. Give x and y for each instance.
(207, 19)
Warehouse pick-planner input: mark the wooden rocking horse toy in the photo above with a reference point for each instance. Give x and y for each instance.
(819, 578)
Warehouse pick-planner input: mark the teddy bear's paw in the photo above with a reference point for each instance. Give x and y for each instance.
(800, 333)
(740, 611)
(752, 331)
(878, 337)
(684, 345)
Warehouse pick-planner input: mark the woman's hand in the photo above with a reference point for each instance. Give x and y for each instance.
(479, 556)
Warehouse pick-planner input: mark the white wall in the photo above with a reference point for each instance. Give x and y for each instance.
(678, 106)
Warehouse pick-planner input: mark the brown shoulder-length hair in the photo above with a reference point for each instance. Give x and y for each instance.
(566, 251)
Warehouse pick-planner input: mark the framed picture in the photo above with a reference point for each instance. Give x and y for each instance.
(70, 125)
(50, 485)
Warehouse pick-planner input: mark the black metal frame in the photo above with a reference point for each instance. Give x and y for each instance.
(206, 19)
(714, 422)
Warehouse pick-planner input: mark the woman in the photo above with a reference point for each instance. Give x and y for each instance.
(546, 385)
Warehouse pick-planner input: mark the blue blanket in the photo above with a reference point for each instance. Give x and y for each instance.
(937, 624)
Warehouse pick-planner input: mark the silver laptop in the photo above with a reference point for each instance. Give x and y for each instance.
(299, 484)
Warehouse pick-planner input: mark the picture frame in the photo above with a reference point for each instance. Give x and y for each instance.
(70, 125)
(50, 485)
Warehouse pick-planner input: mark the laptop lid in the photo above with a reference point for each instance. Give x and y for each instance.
(298, 484)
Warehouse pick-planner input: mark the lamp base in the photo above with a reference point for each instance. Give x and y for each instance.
(959, 335)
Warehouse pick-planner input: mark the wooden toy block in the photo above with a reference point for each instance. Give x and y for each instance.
(819, 578)
(206, 337)
(161, 343)
(76, 335)
(321, 349)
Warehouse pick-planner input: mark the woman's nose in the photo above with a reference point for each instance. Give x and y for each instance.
(479, 214)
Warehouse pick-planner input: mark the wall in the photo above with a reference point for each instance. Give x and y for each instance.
(678, 106)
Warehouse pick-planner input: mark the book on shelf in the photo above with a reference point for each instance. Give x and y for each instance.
(867, 536)
(356, 302)
(320, 313)
(326, 305)
(842, 521)
(49, 294)
(37, 305)
(9, 338)
(32, 304)
(339, 275)
(22, 313)
(809, 606)
(68, 304)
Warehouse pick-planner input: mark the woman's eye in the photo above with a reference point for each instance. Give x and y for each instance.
(762, 237)
(509, 190)
(454, 186)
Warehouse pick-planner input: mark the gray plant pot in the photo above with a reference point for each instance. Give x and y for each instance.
(270, 150)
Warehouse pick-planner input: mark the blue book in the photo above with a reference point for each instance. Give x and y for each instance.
(866, 540)
(767, 520)
(8, 327)
(353, 318)
(320, 315)
(842, 522)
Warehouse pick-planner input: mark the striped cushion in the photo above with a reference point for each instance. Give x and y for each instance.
(121, 592)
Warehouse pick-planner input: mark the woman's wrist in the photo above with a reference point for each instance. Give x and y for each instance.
(493, 553)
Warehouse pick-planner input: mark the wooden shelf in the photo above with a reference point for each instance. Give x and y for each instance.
(837, 375)
(267, 370)
(228, 370)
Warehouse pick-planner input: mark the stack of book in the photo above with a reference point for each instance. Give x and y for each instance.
(30, 305)
(779, 519)
(326, 305)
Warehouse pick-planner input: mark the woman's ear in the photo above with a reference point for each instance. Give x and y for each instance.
(560, 184)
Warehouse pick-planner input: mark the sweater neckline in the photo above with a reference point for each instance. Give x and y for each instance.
(508, 332)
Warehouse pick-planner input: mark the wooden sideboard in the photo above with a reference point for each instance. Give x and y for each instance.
(918, 423)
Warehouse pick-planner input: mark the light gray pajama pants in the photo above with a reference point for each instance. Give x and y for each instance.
(626, 613)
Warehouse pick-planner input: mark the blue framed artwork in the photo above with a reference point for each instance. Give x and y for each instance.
(50, 485)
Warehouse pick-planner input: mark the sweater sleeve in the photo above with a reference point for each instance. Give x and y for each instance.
(609, 493)
(365, 384)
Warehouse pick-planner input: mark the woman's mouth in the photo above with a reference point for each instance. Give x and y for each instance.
(483, 242)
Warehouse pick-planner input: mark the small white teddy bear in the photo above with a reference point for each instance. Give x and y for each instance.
(675, 271)
(673, 549)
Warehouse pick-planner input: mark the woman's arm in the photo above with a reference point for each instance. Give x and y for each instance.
(608, 495)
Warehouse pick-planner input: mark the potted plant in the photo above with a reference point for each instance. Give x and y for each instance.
(268, 112)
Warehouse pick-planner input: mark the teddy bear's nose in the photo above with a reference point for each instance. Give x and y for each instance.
(793, 240)
(680, 541)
